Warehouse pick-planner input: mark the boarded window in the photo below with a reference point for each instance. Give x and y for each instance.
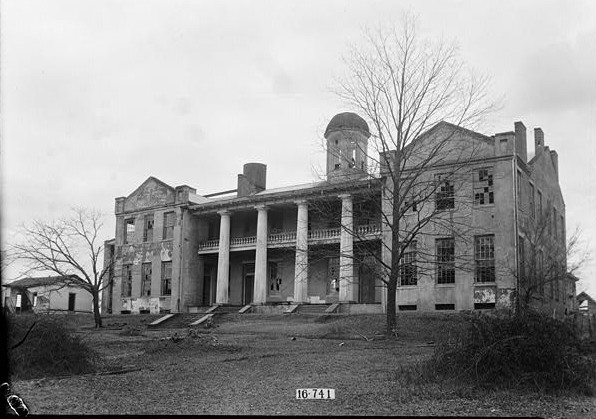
(126, 281)
(129, 230)
(168, 225)
(445, 254)
(408, 271)
(146, 280)
(484, 258)
(166, 278)
(483, 187)
(445, 195)
(148, 228)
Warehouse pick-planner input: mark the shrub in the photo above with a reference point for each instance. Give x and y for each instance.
(504, 350)
(49, 349)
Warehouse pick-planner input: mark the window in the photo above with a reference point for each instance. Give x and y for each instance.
(539, 204)
(408, 271)
(532, 202)
(35, 299)
(522, 260)
(563, 234)
(274, 278)
(148, 228)
(146, 280)
(445, 251)
(332, 275)
(410, 203)
(483, 306)
(129, 230)
(168, 225)
(484, 258)
(445, 196)
(126, 281)
(444, 306)
(166, 278)
(519, 178)
(540, 274)
(483, 187)
(555, 229)
(407, 307)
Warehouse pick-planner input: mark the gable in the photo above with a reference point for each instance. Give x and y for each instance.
(152, 193)
(449, 143)
(544, 174)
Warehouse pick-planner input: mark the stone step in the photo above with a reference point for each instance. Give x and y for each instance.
(312, 308)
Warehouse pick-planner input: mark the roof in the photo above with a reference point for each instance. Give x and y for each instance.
(347, 120)
(38, 281)
(582, 296)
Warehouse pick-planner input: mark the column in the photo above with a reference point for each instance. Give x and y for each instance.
(260, 289)
(346, 251)
(223, 260)
(301, 265)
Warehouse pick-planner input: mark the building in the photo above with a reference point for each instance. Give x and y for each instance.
(327, 242)
(45, 294)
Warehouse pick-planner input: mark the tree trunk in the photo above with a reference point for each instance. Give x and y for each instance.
(96, 314)
(391, 308)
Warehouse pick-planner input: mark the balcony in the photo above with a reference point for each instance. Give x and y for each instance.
(288, 239)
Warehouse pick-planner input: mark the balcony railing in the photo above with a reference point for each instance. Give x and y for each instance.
(362, 232)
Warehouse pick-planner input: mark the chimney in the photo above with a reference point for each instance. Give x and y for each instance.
(555, 158)
(520, 141)
(252, 180)
(538, 141)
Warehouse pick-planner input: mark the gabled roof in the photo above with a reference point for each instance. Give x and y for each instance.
(583, 296)
(149, 179)
(39, 281)
(445, 124)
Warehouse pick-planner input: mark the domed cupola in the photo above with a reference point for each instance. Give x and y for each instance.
(347, 141)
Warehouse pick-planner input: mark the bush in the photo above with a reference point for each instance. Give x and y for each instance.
(505, 350)
(49, 349)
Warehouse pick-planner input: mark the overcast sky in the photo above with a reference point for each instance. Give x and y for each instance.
(98, 95)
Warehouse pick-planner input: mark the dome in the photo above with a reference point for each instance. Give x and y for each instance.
(347, 120)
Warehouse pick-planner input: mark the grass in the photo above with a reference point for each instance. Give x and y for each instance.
(253, 365)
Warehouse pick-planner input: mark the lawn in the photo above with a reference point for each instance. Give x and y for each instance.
(253, 364)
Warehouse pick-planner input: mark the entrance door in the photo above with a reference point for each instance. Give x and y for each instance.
(367, 284)
(248, 282)
(71, 301)
(208, 286)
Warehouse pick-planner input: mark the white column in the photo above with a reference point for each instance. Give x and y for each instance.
(260, 289)
(223, 261)
(346, 251)
(301, 265)
(386, 237)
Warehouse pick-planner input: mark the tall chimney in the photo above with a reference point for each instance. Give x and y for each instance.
(253, 180)
(520, 141)
(538, 141)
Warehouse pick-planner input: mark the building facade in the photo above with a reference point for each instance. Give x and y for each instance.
(330, 241)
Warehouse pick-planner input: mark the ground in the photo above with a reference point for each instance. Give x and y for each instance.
(253, 364)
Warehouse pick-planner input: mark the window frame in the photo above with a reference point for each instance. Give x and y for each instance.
(129, 230)
(483, 186)
(408, 270)
(148, 227)
(126, 280)
(167, 227)
(146, 279)
(445, 271)
(166, 280)
(444, 193)
(484, 266)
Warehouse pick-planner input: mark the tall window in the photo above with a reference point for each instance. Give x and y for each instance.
(539, 204)
(166, 278)
(146, 280)
(168, 225)
(522, 260)
(484, 258)
(408, 271)
(445, 196)
(129, 230)
(333, 275)
(563, 234)
(148, 228)
(555, 223)
(274, 278)
(519, 179)
(532, 202)
(483, 187)
(445, 250)
(126, 280)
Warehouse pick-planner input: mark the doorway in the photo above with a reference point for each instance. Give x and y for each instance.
(366, 275)
(71, 301)
(209, 284)
(248, 282)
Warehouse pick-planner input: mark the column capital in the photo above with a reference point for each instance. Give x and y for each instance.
(224, 212)
(345, 196)
(261, 207)
(301, 201)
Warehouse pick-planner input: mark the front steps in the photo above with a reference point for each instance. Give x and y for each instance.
(197, 317)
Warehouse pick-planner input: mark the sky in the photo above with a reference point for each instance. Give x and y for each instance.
(96, 96)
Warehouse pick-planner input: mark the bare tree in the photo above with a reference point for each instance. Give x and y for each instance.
(70, 248)
(545, 261)
(405, 86)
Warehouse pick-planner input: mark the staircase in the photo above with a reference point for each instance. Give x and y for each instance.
(314, 309)
(183, 320)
